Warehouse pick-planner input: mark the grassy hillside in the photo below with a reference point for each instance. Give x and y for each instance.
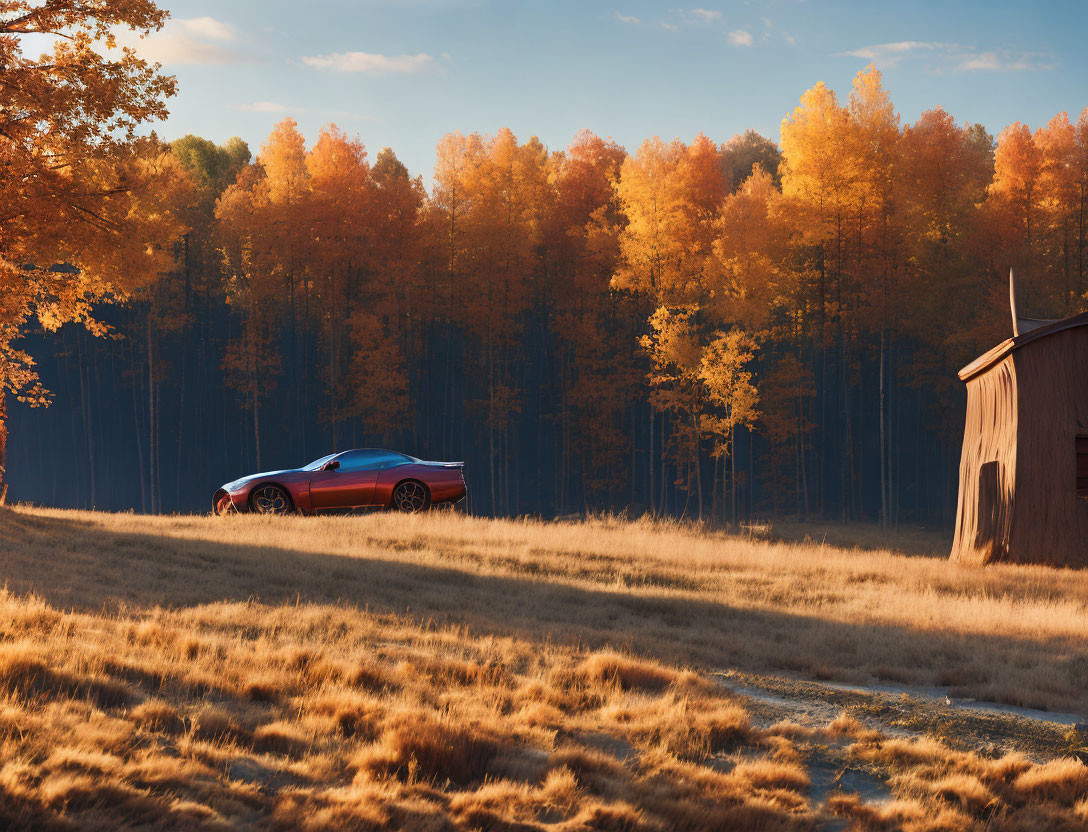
(445, 672)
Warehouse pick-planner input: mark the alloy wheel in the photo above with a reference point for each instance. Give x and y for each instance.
(410, 497)
(271, 499)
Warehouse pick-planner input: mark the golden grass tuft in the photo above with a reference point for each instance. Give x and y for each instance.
(22, 670)
(371, 676)
(970, 793)
(281, 737)
(610, 668)
(770, 774)
(1063, 781)
(421, 746)
(214, 724)
(158, 716)
(350, 714)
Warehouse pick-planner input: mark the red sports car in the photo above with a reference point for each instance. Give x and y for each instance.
(349, 479)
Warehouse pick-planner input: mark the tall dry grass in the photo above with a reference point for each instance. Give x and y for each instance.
(443, 672)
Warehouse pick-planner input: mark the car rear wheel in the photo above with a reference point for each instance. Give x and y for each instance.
(411, 496)
(270, 499)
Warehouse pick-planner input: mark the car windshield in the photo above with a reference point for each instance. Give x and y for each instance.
(317, 463)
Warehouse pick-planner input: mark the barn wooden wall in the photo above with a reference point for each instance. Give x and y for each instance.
(987, 466)
(1050, 520)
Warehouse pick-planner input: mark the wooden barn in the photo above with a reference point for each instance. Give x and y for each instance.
(1023, 494)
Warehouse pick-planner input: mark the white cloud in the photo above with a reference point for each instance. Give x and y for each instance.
(889, 53)
(995, 62)
(950, 57)
(186, 40)
(680, 18)
(626, 18)
(984, 61)
(206, 27)
(705, 15)
(741, 37)
(371, 63)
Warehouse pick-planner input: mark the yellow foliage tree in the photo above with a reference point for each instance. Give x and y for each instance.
(730, 393)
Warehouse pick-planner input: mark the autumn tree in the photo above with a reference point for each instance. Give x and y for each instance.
(837, 164)
(212, 168)
(1079, 165)
(671, 195)
(1062, 180)
(387, 328)
(760, 295)
(594, 329)
(1015, 204)
(941, 177)
(492, 193)
(731, 396)
(75, 175)
(819, 177)
(674, 349)
(743, 153)
(251, 362)
(337, 203)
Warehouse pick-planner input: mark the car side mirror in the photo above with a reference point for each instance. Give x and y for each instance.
(331, 466)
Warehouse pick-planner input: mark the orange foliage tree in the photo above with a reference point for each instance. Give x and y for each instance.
(80, 221)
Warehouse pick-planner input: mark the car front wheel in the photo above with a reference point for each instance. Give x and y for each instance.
(270, 499)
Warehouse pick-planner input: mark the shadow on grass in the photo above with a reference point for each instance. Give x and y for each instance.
(72, 563)
(916, 541)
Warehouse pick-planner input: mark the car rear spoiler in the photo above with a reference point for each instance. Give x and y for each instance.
(443, 464)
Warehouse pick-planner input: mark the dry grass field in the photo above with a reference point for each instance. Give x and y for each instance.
(445, 672)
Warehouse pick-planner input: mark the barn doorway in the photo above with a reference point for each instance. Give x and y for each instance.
(992, 509)
(1082, 467)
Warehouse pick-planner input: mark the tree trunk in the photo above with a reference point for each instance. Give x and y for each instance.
(883, 450)
(88, 435)
(698, 467)
(136, 425)
(181, 425)
(733, 473)
(650, 457)
(751, 472)
(256, 421)
(491, 424)
(3, 446)
(151, 433)
(662, 506)
(715, 460)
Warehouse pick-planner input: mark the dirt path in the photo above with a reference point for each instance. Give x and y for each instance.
(985, 727)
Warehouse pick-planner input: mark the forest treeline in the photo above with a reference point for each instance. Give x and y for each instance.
(706, 330)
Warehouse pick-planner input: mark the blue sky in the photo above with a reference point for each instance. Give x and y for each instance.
(401, 74)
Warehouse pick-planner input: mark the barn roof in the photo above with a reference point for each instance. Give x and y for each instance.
(988, 359)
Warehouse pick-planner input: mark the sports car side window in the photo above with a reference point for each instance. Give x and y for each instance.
(369, 460)
(356, 461)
